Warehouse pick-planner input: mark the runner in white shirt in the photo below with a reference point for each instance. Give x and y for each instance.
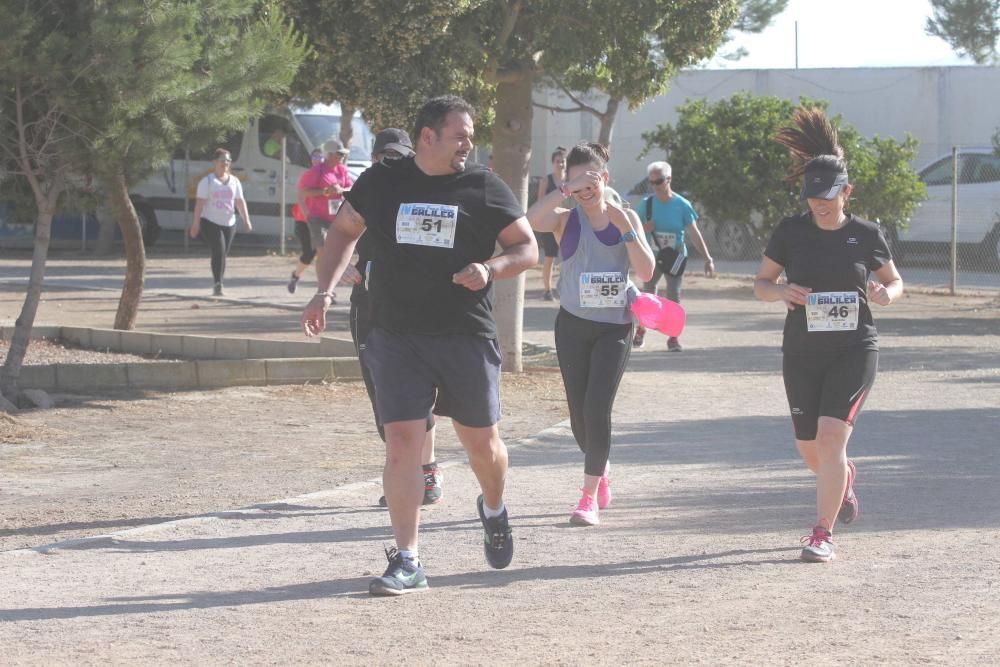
(219, 196)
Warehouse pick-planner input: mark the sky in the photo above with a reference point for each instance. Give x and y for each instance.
(846, 33)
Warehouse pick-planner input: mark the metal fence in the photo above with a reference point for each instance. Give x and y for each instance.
(952, 240)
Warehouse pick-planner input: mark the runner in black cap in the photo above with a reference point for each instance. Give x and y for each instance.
(830, 344)
(390, 144)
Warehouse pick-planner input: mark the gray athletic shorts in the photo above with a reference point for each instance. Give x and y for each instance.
(456, 375)
(318, 227)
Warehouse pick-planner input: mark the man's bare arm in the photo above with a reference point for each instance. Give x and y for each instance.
(331, 261)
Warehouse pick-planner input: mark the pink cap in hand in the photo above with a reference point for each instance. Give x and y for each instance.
(655, 312)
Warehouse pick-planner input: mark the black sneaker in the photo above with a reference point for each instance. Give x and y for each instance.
(217, 290)
(401, 577)
(674, 345)
(432, 484)
(497, 542)
(293, 283)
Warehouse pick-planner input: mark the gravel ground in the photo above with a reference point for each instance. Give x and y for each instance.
(696, 562)
(44, 351)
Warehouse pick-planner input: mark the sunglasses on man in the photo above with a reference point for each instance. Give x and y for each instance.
(658, 181)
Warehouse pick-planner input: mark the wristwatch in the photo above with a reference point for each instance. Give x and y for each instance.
(629, 236)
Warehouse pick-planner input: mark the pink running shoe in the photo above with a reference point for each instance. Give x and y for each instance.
(585, 513)
(849, 509)
(818, 546)
(604, 489)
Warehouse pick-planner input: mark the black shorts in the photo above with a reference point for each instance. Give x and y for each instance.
(456, 375)
(547, 242)
(832, 385)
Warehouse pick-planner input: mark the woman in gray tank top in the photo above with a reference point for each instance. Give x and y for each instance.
(598, 244)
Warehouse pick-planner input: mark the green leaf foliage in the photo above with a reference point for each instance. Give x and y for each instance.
(155, 74)
(725, 161)
(628, 49)
(388, 57)
(971, 27)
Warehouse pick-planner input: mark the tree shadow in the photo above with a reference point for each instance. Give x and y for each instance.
(356, 587)
(917, 470)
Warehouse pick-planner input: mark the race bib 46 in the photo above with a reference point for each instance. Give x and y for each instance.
(832, 311)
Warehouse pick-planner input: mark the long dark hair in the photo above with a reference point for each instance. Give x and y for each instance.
(588, 153)
(812, 143)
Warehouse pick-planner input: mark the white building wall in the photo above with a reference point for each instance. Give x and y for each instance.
(940, 106)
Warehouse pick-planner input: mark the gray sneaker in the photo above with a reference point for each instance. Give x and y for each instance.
(819, 546)
(401, 577)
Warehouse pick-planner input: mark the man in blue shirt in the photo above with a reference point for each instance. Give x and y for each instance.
(668, 218)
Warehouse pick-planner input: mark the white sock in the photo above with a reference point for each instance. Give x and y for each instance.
(407, 554)
(491, 513)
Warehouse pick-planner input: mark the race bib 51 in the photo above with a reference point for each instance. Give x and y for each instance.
(427, 224)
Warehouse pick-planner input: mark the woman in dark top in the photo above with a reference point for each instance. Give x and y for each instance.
(835, 264)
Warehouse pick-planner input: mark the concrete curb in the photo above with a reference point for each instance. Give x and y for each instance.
(208, 361)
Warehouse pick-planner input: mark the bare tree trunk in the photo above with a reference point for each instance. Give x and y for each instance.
(11, 370)
(347, 125)
(135, 252)
(608, 121)
(511, 151)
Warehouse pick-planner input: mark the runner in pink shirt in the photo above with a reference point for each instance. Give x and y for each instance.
(321, 190)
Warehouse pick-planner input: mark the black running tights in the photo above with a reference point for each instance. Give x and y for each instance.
(592, 358)
(219, 239)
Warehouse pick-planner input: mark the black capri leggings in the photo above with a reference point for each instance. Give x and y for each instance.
(834, 384)
(592, 358)
(305, 239)
(219, 239)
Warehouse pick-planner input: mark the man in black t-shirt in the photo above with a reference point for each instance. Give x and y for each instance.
(432, 227)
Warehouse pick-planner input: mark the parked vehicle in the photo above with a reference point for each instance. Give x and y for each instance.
(930, 228)
(160, 199)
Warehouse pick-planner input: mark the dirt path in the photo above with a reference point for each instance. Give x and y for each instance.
(696, 561)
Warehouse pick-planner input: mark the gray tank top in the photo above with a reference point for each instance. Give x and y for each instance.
(593, 280)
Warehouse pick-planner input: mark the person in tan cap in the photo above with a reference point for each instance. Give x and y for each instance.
(321, 192)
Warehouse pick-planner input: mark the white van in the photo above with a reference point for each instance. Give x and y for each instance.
(160, 199)
(978, 204)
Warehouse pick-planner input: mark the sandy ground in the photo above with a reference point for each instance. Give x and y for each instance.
(694, 563)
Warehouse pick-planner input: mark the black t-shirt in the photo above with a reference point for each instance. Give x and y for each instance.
(829, 261)
(410, 285)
